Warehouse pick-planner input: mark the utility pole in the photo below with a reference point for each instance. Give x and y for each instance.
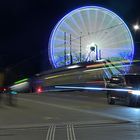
(65, 45)
(80, 47)
(100, 57)
(96, 52)
(71, 61)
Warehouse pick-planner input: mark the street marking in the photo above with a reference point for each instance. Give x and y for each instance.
(68, 135)
(51, 133)
(70, 132)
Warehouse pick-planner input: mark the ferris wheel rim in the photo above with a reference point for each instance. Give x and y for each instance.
(50, 46)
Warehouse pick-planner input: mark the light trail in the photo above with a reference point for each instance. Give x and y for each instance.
(130, 91)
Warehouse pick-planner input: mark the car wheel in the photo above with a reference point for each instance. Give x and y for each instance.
(110, 100)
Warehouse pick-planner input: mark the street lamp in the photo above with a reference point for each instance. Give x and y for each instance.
(136, 27)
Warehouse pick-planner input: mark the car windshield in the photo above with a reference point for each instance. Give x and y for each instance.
(132, 80)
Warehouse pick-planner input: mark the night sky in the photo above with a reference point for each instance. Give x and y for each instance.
(25, 27)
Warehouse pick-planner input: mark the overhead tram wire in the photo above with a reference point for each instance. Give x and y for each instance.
(80, 38)
(97, 31)
(24, 61)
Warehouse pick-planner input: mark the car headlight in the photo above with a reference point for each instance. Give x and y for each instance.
(135, 92)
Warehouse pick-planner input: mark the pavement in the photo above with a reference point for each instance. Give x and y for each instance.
(68, 116)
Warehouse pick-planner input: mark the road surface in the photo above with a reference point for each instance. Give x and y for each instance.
(68, 116)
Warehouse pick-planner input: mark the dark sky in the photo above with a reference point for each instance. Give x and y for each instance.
(25, 27)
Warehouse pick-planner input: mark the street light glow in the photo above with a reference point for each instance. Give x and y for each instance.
(136, 27)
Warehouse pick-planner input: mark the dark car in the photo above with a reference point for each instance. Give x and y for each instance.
(124, 88)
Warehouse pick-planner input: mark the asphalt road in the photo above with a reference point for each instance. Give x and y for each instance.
(68, 116)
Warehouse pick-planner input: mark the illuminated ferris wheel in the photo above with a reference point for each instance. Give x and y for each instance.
(89, 34)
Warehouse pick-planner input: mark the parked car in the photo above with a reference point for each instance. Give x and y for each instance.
(124, 88)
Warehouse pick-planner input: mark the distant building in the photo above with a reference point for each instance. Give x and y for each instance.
(1, 79)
